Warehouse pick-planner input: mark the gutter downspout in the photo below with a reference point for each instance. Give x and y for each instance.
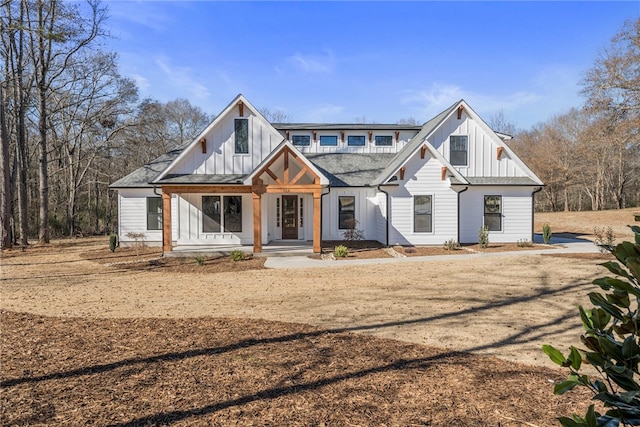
(533, 210)
(386, 193)
(460, 192)
(321, 208)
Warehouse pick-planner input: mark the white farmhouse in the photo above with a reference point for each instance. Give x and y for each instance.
(245, 181)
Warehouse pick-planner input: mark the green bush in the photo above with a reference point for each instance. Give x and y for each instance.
(341, 251)
(483, 236)
(612, 330)
(546, 234)
(113, 242)
(200, 260)
(237, 255)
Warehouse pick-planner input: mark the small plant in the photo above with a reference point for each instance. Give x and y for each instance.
(524, 243)
(237, 255)
(483, 236)
(451, 245)
(604, 239)
(352, 232)
(546, 234)
(611, 344)
(200, 260)
(139, 240)
(341, 251)
(113, 241)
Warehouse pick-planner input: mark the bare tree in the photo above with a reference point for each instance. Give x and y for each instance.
(58, 32)
(18, 83)
(275, 116)
(499, 123)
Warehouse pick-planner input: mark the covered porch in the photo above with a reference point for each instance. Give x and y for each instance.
(275, 193)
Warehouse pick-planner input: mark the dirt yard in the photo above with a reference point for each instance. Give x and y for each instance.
(383, 344)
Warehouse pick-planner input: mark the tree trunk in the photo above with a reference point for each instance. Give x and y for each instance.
(44, 233)
(6, 208)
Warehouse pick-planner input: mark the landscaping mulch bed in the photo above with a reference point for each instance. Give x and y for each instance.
(151, 259)
(206, 371)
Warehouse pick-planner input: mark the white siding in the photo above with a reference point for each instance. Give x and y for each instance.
(482, 148)
(516, 214)
(190, 223)
(220, 157)
(381, 218)
(343, 147)
(365, 211)
(132, 216)
(423, 177)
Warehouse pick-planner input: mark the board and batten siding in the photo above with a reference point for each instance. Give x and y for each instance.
(482, 160)
(343, 147)
(423, 177)
(189, 222)
(366, 201)
(516, 214)
(221, 158)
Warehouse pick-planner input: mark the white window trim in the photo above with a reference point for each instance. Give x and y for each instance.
(413, 215)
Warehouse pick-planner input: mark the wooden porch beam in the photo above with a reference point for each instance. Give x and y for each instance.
(291, 188)
(299, 175)
(273, 176)
(224, 189)
(317, 236)
(166, 222)
(286, 166)
(257, 223)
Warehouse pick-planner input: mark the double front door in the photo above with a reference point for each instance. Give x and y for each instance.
(289, 217)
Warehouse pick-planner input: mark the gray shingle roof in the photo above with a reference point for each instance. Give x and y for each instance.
(350, 169)
(201, 179)
(140, 178)
(413, 145)
(519, 180)
(344, 126)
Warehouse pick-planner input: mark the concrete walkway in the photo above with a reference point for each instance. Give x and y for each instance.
(563, 245)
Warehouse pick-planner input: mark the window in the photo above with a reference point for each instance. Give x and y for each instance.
(422, 214)
(233, 214)
(211, 214)
(217, 208)
(302, 140)
(242, 136)
(458, 150)
(278, 212)
(384, 140)
(346, 212)
(493, 212)
(154, 213)
(356, 140)
(301, 210)
(328, 141)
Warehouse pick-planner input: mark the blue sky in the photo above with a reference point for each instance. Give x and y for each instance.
(339, 61)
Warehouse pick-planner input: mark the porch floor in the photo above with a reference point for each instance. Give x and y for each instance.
(278, 248)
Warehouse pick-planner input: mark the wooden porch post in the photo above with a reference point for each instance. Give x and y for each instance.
(166, 222)
(317, 237)
(257, 223)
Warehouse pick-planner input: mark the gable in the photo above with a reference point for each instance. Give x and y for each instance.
(215, 151)
(487, 155)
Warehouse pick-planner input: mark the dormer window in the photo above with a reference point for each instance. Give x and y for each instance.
(458, 147)
(242, 136)
(328, 141)
(384, 140)
(356, 140)
(301, 140)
